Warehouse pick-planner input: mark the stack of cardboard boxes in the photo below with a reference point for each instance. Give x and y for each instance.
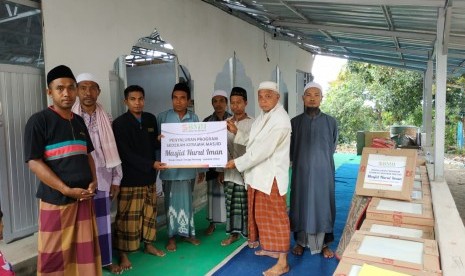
(397, 235)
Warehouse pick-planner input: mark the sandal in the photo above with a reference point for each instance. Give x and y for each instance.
(232, 238)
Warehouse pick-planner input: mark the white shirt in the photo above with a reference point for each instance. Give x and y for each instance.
(267, 151)
(237, 148)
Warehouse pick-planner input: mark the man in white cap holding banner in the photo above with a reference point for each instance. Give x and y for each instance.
(265, 165)
(106, 157)
(313, 143)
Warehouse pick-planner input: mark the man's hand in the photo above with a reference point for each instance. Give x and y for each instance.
(159, 166)
(220, 177)
(201, 178)
(230, 164)
(231, 126)
(79, 193)
(114, 191)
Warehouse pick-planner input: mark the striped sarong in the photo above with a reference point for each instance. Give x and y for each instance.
(268, 220)
(102, 213)
(68, 240)
(216, 210)
(136, 217)
(236, 208)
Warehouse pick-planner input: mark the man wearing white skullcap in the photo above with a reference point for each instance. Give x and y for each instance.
(107, 161)
(313, 143)
(265, 165)
(216, 209)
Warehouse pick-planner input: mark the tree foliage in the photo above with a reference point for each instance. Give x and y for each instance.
(367, 97)
(373, 97)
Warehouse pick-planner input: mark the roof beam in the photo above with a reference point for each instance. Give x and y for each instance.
(447, 22)
(27, 3)
(356, 46)
(294, 10)
(21, 15)
(419, 3)
(417, 35)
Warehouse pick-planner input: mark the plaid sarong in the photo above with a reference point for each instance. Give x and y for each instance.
(68, 242)
(236, 208)
(216, 208)
(102, 212)
(136, 217)
(268, 220)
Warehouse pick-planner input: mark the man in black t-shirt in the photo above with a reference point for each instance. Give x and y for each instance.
(57, 149)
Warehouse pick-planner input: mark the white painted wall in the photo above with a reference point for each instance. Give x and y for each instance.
(89, 35)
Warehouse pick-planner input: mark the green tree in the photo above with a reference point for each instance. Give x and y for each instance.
(373, 97)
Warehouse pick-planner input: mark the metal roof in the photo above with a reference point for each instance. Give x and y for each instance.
(21, 32)
(397, 33)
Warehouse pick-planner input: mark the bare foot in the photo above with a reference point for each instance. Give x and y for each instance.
(114, 269)
(298, 250)
(171, 246)
(191, 240)
(327, 252)
(276, 270)
(211, 228)
(150, 249)
(124, 262)
(232, 238)
(267, 253)
(253, 244)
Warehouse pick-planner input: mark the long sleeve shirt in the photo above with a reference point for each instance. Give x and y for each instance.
(267, 151)
(105, 176)
(137, 144)
(236, 148)
(170, 116)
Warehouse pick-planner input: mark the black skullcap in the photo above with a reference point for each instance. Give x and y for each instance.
(61, 71)
(239, 91)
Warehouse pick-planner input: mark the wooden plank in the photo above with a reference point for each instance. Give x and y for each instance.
(449, 229)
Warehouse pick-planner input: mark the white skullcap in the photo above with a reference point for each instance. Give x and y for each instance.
(313, 84)
(269, 85)
(220, 93)
(86, 77)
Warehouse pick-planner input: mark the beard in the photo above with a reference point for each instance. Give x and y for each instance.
(311, 110)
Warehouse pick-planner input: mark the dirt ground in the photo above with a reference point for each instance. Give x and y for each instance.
(454, 172)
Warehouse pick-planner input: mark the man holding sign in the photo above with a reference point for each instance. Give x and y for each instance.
(178, 183)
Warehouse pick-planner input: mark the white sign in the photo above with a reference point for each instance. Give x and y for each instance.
(194, 145)
(385, 172)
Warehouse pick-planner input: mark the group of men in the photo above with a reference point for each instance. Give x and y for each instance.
(84, 160)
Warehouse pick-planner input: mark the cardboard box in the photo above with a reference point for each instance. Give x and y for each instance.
(370, 135)
(387, 173)
(350, 267)
(400, 212)
(410, 253)
(404, 230)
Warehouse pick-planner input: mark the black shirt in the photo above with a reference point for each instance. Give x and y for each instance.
(137, 144)
(63, 145)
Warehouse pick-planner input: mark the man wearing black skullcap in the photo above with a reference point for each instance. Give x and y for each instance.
(57, 150)
(178, 184)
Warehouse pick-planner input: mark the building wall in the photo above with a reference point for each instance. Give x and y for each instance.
(89, 36)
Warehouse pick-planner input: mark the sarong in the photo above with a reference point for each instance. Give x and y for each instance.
(102, 213)
(236, 208)
(268, 220)
(136, 217)
(68, 240)
(216, 209)
(178, 207)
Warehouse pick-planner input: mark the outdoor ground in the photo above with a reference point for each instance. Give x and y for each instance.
(454, 172)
